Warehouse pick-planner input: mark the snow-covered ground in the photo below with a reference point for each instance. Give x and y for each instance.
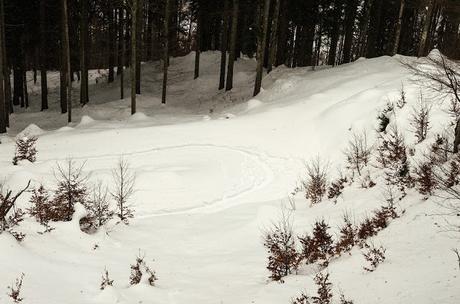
(212, 171)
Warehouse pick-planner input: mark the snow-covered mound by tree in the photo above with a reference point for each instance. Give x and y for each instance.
(213, 171)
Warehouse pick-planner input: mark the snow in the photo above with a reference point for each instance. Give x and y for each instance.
(213, 169)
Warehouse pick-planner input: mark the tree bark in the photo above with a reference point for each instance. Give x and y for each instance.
(43, 55)
(122, 51)
(422, 50)
(66, 47)
(134, 15)
(274, 37)
(84, 96)
(138, 32)
(398, 27)
(223, 45)
(335, 33)
(111, 76)
(165, 51)
(350, 16)
(232, 54)
(261, 47)
(3, 111)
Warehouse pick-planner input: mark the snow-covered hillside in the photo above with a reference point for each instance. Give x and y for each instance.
(213, 170)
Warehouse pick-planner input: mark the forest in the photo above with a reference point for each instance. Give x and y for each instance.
(74, 36)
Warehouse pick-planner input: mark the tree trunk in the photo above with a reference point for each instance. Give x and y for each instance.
(43, 56)
(335, 33)
(165, 50)
(66, 47)
(422, 50)
(111, 43)
(374, 29)
(398, 27)
(350, 16)
(261, 47)
(198, 40)
(3, 112)
(223, 45)
(233, 36)
(138, 32)
(84, 96)
(274, 37)
(122, 51)
(457, 136)
(134, 15)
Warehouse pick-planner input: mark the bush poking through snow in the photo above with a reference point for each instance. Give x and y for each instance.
(11, 216)
(344, 300)
(315, 185)
(41, 208)
(384, 117)
(139, 269)
(374, 256)
(358, 152)
(347, 236)
(324, 293)
(302, 299)
(71, 189)
(336, 188)
(98, 208)
(318, 247)
(124, 180)
(420, 120)
(366, 229)
(425, 179)
(25, 150)
(402, 97)
(15, 290)
(280, 242)
(105, 280)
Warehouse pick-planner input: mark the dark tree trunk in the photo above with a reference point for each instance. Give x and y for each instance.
(3, 111)
(84, 96)
(165, 51)
(138, 32)
(335, 33)
(398, 27)
(66, 51)
(350, 15)
(110, 12)
(262, 40)
(223, 45)
(374, 29)
(283, 36)
(233, 36)
(198, 40)
(422, 50)
(134, 15)
(273, 49)
(18, 89)
(43, 56)
(122, 51)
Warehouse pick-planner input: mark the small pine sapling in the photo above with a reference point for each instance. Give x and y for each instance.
(319, 246)
(105, 280)
(302, 299)
(420, 120)
(41, 208)
(315, 185)
(124, 180)
(374, 256)
(71, 189)
(358, 152)
(336, 188)
(280, 242)
(402, 97)
(384, 117)
(98, 208)
(365, 230)
(347, 237)
(324, 293)
(139, 269)
(15, 290)
(25, 150)
(425, 179)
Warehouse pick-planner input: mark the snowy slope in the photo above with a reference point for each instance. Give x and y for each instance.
(213, 170)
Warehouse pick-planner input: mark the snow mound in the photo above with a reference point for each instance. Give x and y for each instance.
(31, 130)
(85, 120)
(139, 116)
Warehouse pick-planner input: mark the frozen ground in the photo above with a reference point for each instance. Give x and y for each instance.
(213, 170)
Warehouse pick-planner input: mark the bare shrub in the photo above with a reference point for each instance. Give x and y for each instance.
(457, 253)
(10, 215)
(25, 150)
(71, 189)
(105, 280)
(315, 185)
(98, 208)
(124, 180)
(324, 292)
(402, 97)
(139, 269)
(358, 152)
(280, 242)
(374, 256)
(318, 247)
(15, 290)
(420, 120)
(347, 236)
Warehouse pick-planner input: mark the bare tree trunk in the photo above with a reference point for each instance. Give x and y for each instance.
(165, 51)
(43, 44)
(398, 27)
(350, 15)
(274, 37)
(122, 51)
(3, 112)
(138, 31)
(198, 40)
(232, 55)
(262, 40)
(457, 136)
(134, 21)
(223, 45)
(111, 76)
(335, 33)
(84, 96)
(422, 50)
(66, 47)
